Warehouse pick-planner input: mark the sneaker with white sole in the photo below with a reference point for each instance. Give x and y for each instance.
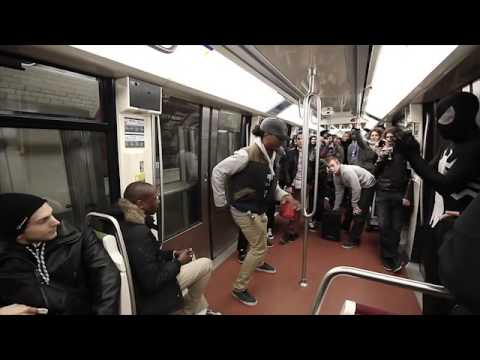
(270, 234)
(393, 265)
(348, 244)
(244, 297)
(266, 268)
(212, 312)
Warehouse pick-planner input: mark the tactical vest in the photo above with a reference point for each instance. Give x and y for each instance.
(253, 188)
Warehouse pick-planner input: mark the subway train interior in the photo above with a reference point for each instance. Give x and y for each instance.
(79, 123)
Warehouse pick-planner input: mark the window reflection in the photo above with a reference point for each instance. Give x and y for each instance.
(228, 134)
(68, 168)
(180, 131)
(47, 90)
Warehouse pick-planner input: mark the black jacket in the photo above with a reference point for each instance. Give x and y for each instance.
(83, 278)
(366, 157)
(288, 167)
(284, 175)
(392, 175)
(154, 271)
(459, 254)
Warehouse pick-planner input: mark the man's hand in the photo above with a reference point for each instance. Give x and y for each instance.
(406, 202)
(449, 214)
(289, 198)
(357, 210)
(184, 256)
(289, 189)
(18, 309)
(407, 144)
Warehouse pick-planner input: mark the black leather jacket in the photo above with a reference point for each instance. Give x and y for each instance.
(83, 278)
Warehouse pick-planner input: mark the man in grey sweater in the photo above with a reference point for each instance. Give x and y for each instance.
(362, 183)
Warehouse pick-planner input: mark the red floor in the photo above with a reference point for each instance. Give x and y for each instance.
(280, 293)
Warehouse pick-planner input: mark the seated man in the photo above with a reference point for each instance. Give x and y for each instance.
(362, 184)
(44, 264)
(160, 276)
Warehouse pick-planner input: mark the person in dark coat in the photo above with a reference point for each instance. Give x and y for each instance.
(50, 265)
(346, 141)
(454, 174)
(159, 276)
(458, 256)
(394, 194)
(359, 153)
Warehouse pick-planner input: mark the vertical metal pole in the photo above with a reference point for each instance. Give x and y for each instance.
(162, 197)
(304, 190)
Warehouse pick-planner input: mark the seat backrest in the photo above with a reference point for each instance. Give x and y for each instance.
(110, 245)
(115, 247)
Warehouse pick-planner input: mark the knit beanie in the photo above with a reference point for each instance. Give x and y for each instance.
(15, 211)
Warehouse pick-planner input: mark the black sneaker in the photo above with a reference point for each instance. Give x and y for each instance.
(393, 265)
(244, 297)
(266, 268)
(241, 258)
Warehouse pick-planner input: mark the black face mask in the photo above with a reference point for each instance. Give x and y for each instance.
(456, 117)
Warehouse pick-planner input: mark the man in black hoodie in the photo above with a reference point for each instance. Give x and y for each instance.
(160, 276)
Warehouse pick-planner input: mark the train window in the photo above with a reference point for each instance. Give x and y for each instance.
(476, 92)
(476, 88)
(69, 168)
(228, 134)
(180, 132)
(46, 90)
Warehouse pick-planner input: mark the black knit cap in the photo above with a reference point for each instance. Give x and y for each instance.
(15, 211)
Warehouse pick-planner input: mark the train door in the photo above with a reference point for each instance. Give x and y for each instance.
(226, 136)
(190, 141)
(181, 175)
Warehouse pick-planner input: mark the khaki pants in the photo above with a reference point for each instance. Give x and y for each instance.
(194, 276)
(255, 231)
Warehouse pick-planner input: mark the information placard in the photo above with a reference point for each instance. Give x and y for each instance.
(134, 133)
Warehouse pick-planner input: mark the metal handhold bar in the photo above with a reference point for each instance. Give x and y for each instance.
(423, 287)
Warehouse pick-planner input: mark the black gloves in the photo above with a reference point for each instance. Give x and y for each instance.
(407, 144)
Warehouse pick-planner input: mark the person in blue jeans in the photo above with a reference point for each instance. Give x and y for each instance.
(394, 195)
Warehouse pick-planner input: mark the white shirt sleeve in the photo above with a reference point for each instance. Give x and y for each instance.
(227, 167)
(279, 193)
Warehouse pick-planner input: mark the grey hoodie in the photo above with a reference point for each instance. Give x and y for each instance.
(354, 177)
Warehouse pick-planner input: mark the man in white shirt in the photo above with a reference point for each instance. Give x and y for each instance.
(252, 185)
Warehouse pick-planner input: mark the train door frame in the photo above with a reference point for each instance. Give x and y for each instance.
(196, 235)
(45, 122)
(224, 222)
